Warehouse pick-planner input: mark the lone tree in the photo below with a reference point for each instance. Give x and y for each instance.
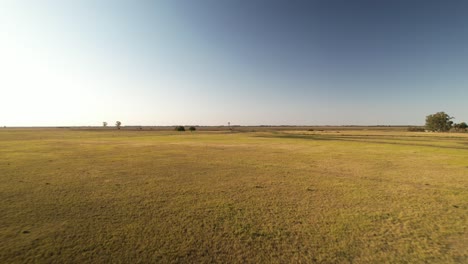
(179, 128)
(439, 122)
(118, 124)
(104, 124)
(192, 128)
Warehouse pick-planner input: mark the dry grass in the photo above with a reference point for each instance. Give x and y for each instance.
(267, 197)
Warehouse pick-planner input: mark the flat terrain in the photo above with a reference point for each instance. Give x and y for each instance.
(360, 196)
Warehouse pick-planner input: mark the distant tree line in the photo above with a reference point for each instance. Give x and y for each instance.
(438, 122)
(182, 128)
(118, 125)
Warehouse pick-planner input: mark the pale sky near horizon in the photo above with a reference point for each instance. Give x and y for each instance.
(207, 62)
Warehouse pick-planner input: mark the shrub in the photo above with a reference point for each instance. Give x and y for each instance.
(461, 127)
(192, 128)
(416, 129)
(179, 128)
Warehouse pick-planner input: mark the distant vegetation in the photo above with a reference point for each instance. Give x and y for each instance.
(104, 124)
(460, 127)
(118, 124)
(442, 122)
(416, 129)
(179, 128)
(192, 128)
(439, 122)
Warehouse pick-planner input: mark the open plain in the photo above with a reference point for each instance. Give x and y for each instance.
(268, 196)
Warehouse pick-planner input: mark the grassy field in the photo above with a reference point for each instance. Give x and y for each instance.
(349, 196)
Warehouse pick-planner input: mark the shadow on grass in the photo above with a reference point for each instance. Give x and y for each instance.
(364, 139)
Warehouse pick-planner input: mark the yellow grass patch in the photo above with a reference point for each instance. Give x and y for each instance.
(336, 196)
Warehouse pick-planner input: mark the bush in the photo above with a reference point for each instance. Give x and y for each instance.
(416, 129)
(460, 127)
(179, 128)
(192, 128)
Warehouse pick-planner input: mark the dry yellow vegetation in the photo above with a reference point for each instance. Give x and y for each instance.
(359, 196)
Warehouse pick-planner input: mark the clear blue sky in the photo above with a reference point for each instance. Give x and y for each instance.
(248, 62)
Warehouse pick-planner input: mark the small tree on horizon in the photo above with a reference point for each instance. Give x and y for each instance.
(192, 128)
(439, 122)
(179, 128)
(104, 124)
(460, 127)
(118, 124)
